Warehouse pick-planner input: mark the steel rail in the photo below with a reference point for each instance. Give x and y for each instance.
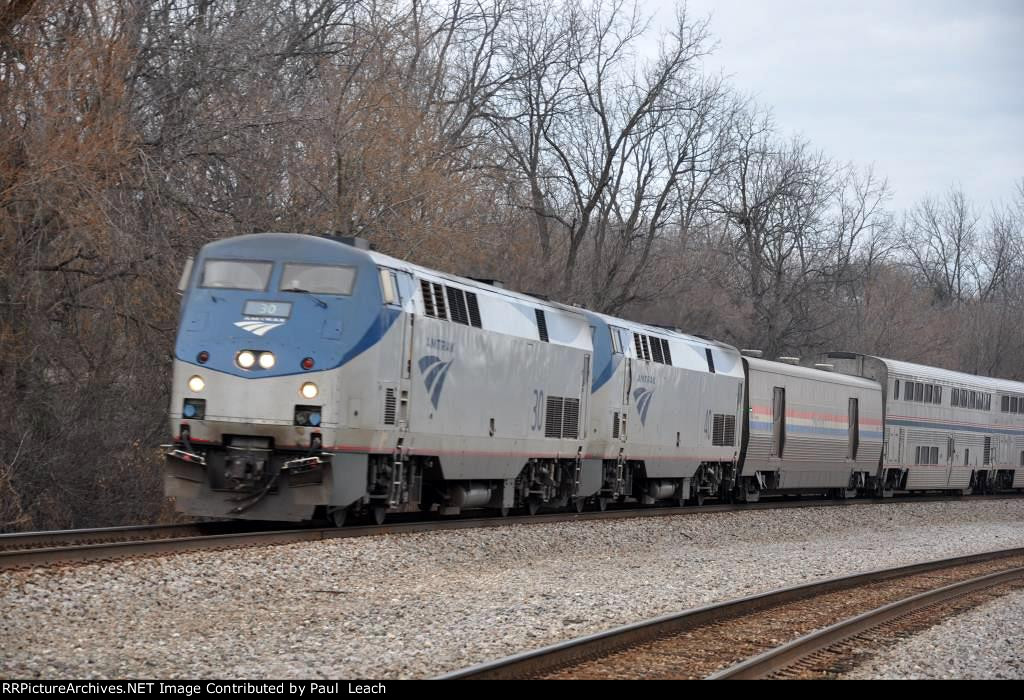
(53, 538)
(549, 658)
(790, 653)
(32, 549)
(187, 539)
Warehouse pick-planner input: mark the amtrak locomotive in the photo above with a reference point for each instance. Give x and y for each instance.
(315, 378)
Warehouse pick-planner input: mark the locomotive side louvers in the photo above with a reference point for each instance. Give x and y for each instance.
(562, 418)
(389, 406)
(723, 430)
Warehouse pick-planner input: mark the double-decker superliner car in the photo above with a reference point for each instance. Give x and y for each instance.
(808, 430)
(666, 409)
(317, 378)
(944, 430)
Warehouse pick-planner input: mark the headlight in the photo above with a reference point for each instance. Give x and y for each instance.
(309, 390)
(196, 384)
(245, 359)
(267, 360)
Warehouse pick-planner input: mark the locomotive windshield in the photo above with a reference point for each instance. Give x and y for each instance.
(318, 279)
(236, 274)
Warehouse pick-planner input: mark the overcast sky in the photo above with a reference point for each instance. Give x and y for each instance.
(930, 91)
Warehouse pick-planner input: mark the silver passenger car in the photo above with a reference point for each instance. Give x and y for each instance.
(944, 430)
(808, 430)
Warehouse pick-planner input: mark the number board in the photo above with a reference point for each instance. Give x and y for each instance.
(263, 309)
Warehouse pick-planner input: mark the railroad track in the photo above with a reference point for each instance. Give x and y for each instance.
(790, 632)
(34, 549)
(839, 648)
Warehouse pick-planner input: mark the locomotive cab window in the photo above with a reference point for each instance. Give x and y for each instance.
(616, 345)
(248, 275)
(318, 279)
(620, 339)
(186, 275)
(389, 286)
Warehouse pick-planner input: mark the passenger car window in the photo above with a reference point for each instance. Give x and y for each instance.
(318, 279)
(249, 275)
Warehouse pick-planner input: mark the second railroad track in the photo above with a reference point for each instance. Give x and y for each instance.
(798, 632)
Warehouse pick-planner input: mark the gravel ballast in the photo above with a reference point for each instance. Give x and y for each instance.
(986, 643)
(416, 605)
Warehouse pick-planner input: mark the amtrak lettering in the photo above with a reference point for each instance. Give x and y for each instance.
(440, 344)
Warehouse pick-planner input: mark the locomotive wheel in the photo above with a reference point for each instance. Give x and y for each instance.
(378, 513)
(699, 498)
(338, 516)
(602, 503)
(577, 505)
(532, 505)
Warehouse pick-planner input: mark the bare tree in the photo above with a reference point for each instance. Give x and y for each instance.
(612, 153)
(775, 204)
(941, 240)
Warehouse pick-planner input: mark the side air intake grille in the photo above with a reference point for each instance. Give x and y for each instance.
(439, 300)
(615, 425)
(474, 309)
(562, 419)
(723, 431)
(428, 298)
(457, 305)
(666, 352)
(656, 353)
(553, 418)
(571, 419)
(542, 325)
(389, 406)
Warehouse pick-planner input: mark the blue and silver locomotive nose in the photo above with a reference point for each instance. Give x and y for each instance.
(267, 323)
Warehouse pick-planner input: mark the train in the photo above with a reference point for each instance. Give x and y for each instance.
(317, 379)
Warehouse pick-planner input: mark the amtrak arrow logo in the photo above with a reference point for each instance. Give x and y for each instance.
(434, 371)
(257, 327)
(643, 397)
